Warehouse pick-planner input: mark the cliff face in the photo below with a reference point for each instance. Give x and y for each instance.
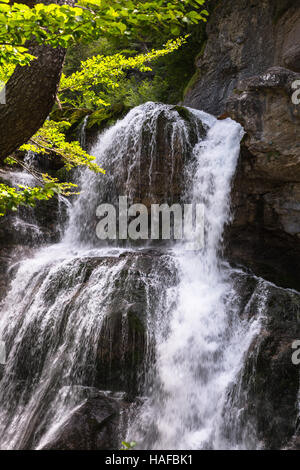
(247, 71)
(244, 38)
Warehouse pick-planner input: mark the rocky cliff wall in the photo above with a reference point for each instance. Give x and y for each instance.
(246, 71)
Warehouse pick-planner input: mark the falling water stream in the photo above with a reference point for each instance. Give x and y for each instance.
(61, 300)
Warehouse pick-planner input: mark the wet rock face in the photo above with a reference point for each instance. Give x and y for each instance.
(146, 165)
(158, 177)
(91, 426)
(288, 49)
(125, 345)
(154, 174)
(263, 104)
(29, 226)
(266, 394)
(245, 38)
(274, 388)
(130, 303)
(265, 234)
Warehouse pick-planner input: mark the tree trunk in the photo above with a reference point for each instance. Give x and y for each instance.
(30, 95)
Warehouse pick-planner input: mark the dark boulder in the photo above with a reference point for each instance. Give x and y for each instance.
(126, 341)
(91, 426)
(264, 398)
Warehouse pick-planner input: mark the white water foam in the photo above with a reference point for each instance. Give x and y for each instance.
(206, 340)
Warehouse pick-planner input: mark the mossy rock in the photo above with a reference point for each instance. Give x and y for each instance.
(192, 83)
(200, 54)
(183, 112)
(74, 116)
(98, 120)
(102, 118)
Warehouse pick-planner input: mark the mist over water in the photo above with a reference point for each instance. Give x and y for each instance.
(56, 310)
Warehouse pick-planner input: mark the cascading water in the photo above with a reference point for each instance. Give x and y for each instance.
(82, 132)
(201, 353)
(74, 316)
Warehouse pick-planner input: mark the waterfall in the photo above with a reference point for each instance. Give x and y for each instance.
(27, 224)
(24, 222)
(159, 323)
(82, 132)
(202, 351)
(131, 152)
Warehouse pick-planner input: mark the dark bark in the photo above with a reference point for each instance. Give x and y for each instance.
(30, 95)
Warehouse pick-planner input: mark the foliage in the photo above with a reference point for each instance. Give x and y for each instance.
(7, 68)
(138, 92)
(106, 71)
(170, 73)
(11, 198)
(58, 25)
(99, 78)
(50, 138)
(128, 445)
